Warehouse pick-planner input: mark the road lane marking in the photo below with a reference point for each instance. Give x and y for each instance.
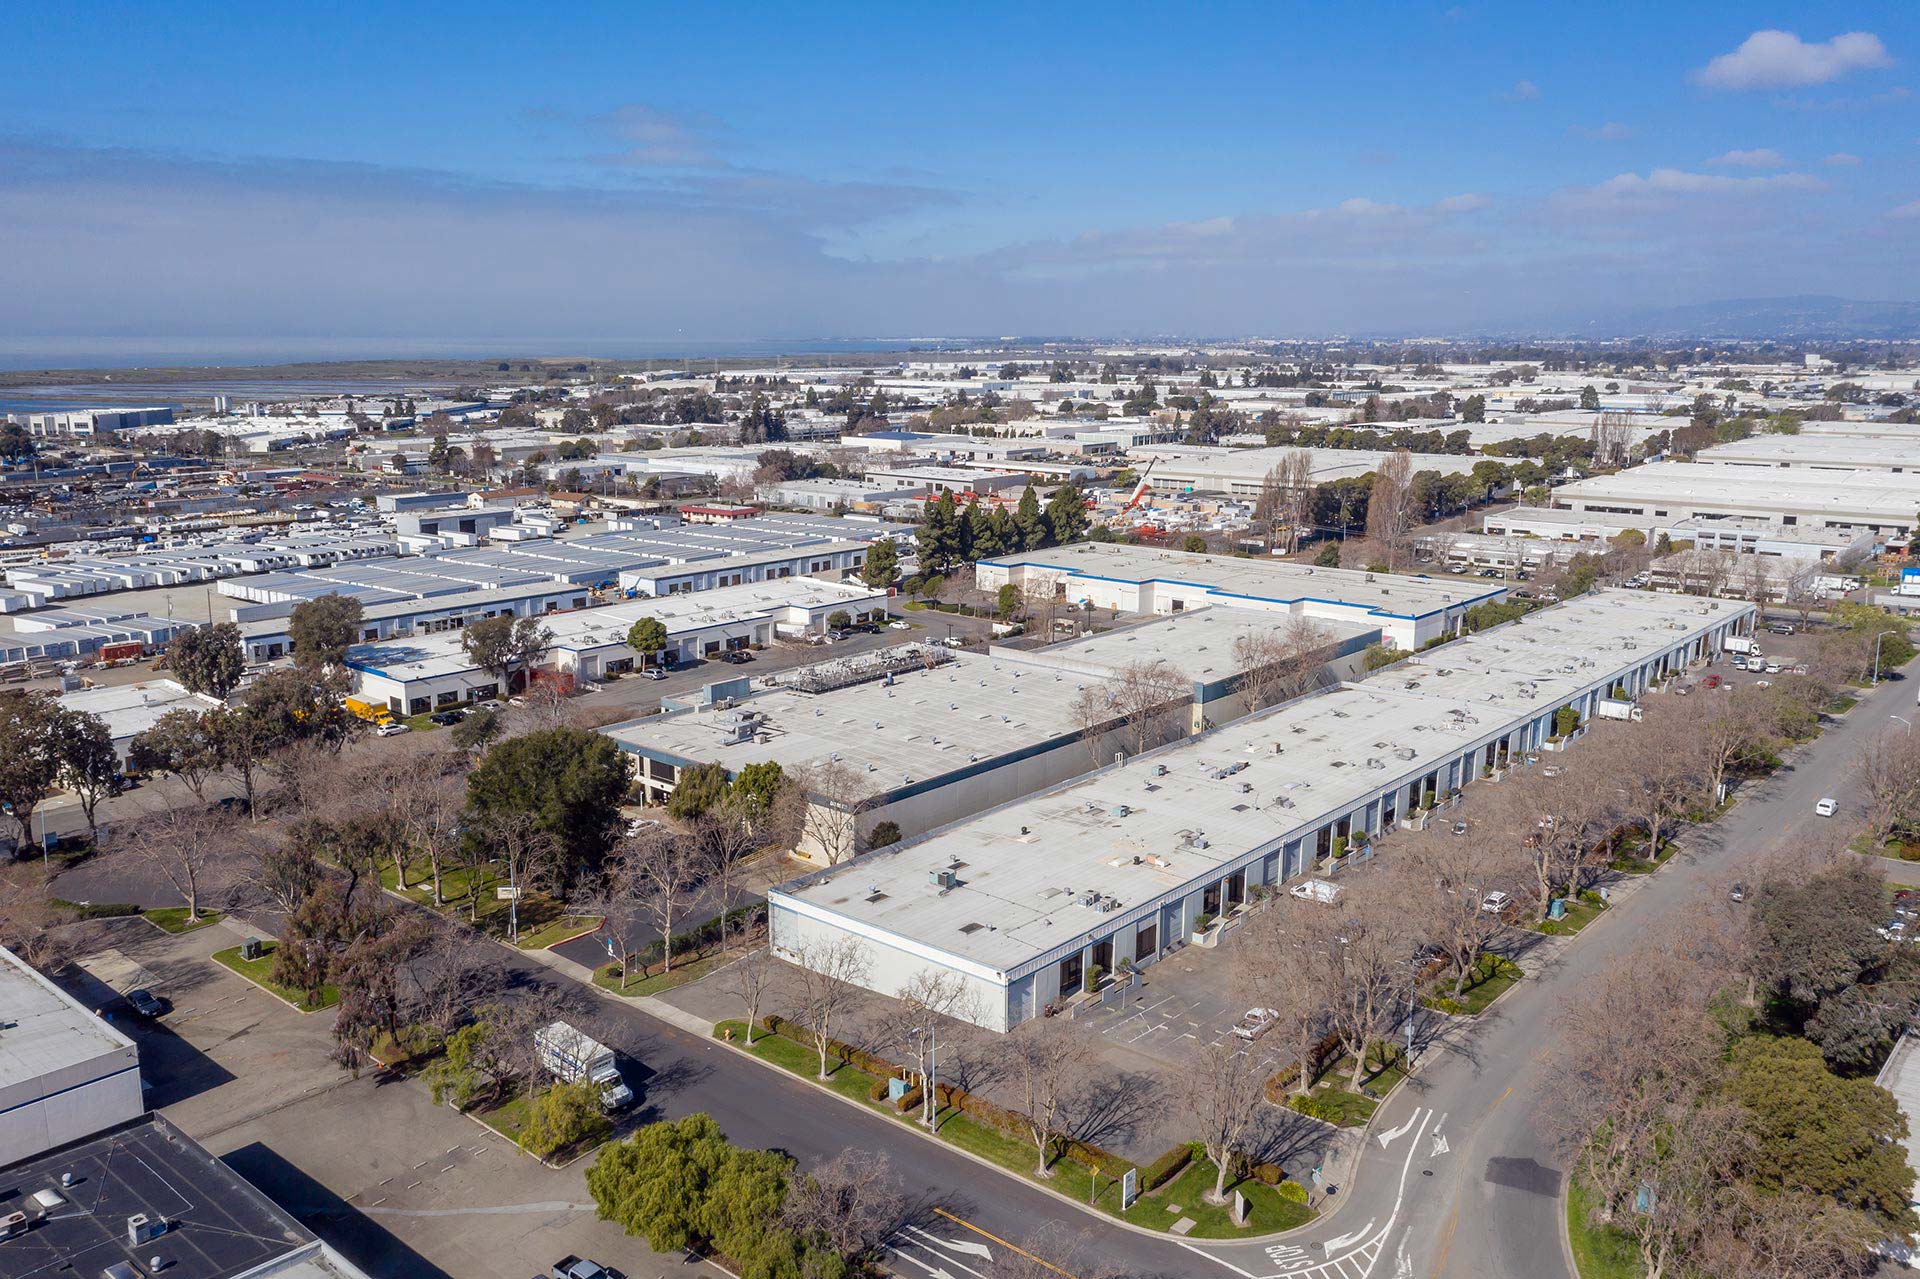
(1388, 1138)
(986, 1234)
(1341, 1241)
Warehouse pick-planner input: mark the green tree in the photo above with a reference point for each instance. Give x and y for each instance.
(503, 646)
(883, 834)
(562, 1116)
(1473, 409)
(29, 758)
(569, 780)
(699, 790)
(323, 629)
(1328, 556)
(940, 535)
(839, 620)
(760, 786)
(882, 564)
(1194, 543)
(179, 745)
(1030, 522)
(1818, 1133)
(208, 659)
(477, 730)
(647, 636)
(89, 765)
(655, 1183)
(1066, 516)
(1589, 397)
(1007, 600)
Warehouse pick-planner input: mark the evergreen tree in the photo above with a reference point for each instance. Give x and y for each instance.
(1032, 524)
(1066, 516)
(939, 536)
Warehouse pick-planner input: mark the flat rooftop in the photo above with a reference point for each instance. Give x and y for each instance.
(1816, 452)
(1199, 643)
(1880, 494)
(968, 713)
(1202, 463)
(1027, 869)
(1268, 580)
(428, 656)
(134, 708)
(218, 1225)
(47, 1032)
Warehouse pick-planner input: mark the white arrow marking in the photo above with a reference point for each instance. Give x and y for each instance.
(1439, 1123)
(1388, 1138)
(1440, 1147)
(1403, 1265)
(1343, 1240)
(979, 1250)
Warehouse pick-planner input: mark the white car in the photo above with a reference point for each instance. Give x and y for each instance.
(1256, 1023)
(899, 625)
(1827, 807)
(1496, 902)
(391, 730)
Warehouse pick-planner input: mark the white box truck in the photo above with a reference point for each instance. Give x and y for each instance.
(1317, 890)
(1740, 643)
(570, 1056)
(1616, 708)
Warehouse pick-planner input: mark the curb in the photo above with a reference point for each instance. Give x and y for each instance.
(924, 1135)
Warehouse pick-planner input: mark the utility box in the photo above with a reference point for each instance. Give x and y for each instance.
(252, 948)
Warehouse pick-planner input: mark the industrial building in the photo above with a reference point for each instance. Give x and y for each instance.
(129, 710)
(1861, 501)
(64, 1073)
(89, 422)
(1242, 472)
(920, 735)
(1410, 611)
(1815, 453)
(432, 671)
(1023, 902)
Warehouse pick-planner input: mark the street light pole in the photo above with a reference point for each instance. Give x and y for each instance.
(1876, 655)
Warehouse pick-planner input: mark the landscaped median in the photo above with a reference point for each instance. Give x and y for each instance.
(260, 973)
(1491, 978)
(1173, 1188)
(174, 919)
(1328, 1097)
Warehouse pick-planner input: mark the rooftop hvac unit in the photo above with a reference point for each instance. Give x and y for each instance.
(1121, 810)
(143, 1229)
(1159, 770)
(943, 879)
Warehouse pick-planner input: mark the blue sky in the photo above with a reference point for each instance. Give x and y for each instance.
(609, 175)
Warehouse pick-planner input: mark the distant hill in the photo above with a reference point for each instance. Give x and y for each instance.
(1801, 318)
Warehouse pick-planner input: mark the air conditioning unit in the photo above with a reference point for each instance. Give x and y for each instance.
(252, 948)
(943, 879)
(143, 1229)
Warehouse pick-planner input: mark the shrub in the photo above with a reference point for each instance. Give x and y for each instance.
(565, 1115)
(1293, 1191)
(1312, 1106)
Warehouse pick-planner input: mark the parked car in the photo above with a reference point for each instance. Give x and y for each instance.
(491, 704)
(736, 657)
(1459, 828)
(391, 730)
(145, 1002)
(1738, 892)
(1827, 807)
(572, 1267)
(653, 672)
(1496, 902)
(1781, 628)
(1257, 1022)
(899, 624)
(446, 719)
(1713, 681)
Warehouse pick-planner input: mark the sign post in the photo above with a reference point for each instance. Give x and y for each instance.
(1129, 1188)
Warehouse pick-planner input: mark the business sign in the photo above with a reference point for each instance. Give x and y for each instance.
(1129, 1188)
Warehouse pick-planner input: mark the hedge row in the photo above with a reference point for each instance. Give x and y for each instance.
(694, 938)
(97, 910)
(1280, 1087)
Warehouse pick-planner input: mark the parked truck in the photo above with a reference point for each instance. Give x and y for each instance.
(1317, 890)
(570, 1056)
(1618, 708)
(1741, 643)
(572, 1267)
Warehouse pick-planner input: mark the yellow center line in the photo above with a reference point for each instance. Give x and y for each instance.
(1042, 1261)
(1446, 1241)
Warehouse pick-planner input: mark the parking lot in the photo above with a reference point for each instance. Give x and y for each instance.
(1179, 1009)
(399, 1185)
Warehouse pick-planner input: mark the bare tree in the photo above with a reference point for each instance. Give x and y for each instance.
(1044, 1063)
(829, 973)
(1390, 505)
(749, 976)
(529, 856)
(1278, 664)
(1375, 949)
(1296, 491)
(1446, 879)
(1222, 1088)
(1800, 596)
(1150, 697)
(1889, 773)
(1286, 961)
(1612, 440)
(929, 1000)
(830, 795)
(659, 869)
(853, 1202)
(28, 913)
(191, 847)
(1040, 599)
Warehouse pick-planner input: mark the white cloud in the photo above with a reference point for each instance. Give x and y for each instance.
(1758, 158)
(1911, 209)
(1468, 202)
(1661, 187)
(1525, 90)
(1611, 131)
(1781, 59)
(1841, 159)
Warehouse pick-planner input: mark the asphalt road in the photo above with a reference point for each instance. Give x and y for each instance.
(1458, 1180)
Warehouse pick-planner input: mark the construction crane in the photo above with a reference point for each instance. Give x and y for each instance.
(1140, 489)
